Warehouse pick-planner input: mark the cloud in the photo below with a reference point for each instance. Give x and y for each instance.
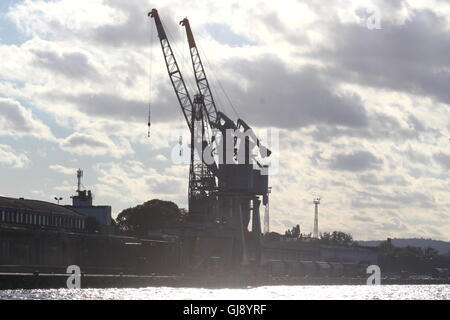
(131, 30)
(95, 145)
(10, 158)
(60, 20)
(363, 218)
(373, 179)
(160, 157)
(312, 98)
(61, 169)
(355, 161)
(380, 126)
(442, 159)
(393, 200)
(223, 34)
(16, 120)
(74, 65)
(130, 179)
(393, 225)
(104, 105)
(391, 58)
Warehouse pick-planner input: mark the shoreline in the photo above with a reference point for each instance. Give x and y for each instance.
(17, 281)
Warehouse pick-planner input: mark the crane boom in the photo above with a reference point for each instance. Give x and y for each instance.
(179, 85)
(200, 75)
(216, 118)
(176, 78)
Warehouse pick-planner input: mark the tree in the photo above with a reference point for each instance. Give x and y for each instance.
(152, 215)
(412, 259)
(325, 237)
(306, 237)
(336, 238)
(296, 232)
(293, 233)
(341, 238)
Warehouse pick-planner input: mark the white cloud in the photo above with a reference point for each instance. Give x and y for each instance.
(16, 120)
(160, 157)
(62, 169)
(131, 182)
(95, 145)
(10, 158)
(60, 18)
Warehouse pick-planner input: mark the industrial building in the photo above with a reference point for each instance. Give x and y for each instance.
(40, 214)
(82, 203)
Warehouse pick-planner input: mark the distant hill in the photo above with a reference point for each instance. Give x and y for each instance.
(442, 246)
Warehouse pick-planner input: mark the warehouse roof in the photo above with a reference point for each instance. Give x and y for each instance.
(36, 205)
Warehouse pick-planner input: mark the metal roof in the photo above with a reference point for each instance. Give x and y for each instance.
(36, 205)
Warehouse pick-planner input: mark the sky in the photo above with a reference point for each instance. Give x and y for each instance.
(358, 91)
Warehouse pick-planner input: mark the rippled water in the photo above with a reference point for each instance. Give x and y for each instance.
(385, 292)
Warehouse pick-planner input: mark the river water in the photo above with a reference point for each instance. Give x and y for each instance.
(351, 292)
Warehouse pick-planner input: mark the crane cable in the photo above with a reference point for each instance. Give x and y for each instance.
(150, 80)
(217, 80)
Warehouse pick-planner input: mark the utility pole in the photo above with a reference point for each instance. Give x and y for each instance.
(316, 202)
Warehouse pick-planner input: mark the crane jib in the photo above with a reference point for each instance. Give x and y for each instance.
(176, 78)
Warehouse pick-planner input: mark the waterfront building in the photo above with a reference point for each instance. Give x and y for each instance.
(39, 214)
(82, 203)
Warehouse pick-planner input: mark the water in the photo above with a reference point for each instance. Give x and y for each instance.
(383, 292)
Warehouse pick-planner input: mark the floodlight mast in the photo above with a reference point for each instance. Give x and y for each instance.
(316, 202)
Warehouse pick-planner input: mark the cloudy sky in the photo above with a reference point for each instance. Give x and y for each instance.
(363, 112)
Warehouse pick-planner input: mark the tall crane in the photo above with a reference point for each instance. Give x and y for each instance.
(239, 185)
(245, 198)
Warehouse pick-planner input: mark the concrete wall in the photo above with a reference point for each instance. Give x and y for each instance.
(295, 251)
(39, 248)
(342, 254)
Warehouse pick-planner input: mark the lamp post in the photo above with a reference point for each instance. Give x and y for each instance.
(58, 199)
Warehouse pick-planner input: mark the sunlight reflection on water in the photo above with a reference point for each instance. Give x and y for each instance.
(384, 292)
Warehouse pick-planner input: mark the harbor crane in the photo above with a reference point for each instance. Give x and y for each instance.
(223, 194)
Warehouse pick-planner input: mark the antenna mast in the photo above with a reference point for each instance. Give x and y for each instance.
(79, 175)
